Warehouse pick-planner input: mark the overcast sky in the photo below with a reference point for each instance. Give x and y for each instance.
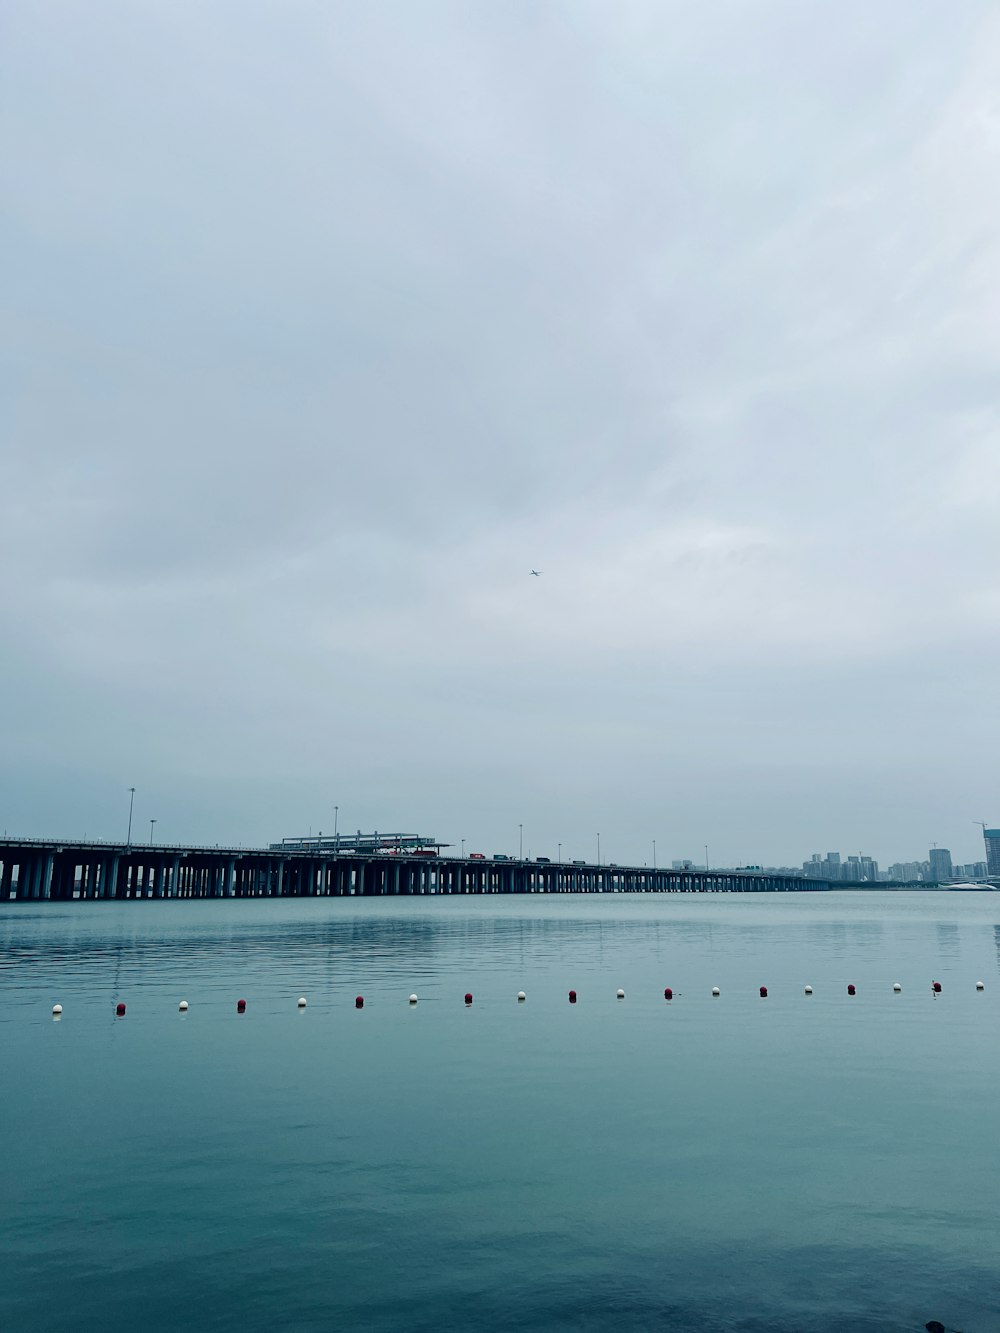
(324, 323)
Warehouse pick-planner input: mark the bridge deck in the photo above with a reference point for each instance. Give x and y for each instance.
(40, 870)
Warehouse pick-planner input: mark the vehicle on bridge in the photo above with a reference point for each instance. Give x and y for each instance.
(543, 860)
(500, 856)
(477, 856)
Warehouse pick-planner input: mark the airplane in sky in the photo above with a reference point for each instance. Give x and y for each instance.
(537, 573)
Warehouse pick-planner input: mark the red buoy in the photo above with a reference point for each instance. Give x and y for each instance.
(851, 990)
(119, 1008)
(936, 987)
(572, 997)
(668, 994)
(359, 1001)
(241, 1006)
(468, 997)
(763, 992)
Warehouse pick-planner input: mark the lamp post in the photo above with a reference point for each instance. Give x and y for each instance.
(706, 855)
(131, 799)
(654, 853)
(336, 835)
(463, 849)
(560, 851)
(598, 849)
(520, 842)
(151, 823)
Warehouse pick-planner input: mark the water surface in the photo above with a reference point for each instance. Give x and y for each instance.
(796, 1163)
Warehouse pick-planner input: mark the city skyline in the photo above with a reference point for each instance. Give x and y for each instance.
(937, 867)
(937, 862)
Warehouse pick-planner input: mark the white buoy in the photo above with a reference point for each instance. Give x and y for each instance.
(896, 987)
(183, 1006)
(716, 991)
(413, 999)
(980, 985)
(521, 995)
(621, 994)
(56, 1010)
(809, 990)
(302, 1001)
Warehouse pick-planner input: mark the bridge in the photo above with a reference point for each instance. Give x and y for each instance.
(47, 870)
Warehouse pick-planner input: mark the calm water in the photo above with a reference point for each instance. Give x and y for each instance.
(795, 1163)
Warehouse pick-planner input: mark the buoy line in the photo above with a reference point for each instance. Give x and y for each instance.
(936, 988)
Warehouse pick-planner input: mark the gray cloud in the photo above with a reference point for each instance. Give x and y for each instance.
(324, 323)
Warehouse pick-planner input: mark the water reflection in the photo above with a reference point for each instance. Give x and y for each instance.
(91, 948)
(949, 943)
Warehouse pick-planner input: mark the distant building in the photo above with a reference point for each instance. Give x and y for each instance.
(992, 837)
(941, 867)
(907, 872)
(854, 869)
(860, 868)
(972, 870)
(681, 865)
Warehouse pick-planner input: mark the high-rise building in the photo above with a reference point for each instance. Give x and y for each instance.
(940, 859)
(992, 836)
(858, 868)
(907, 871)
(833, 867)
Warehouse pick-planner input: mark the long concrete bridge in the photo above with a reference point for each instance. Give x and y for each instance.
(46, 870)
